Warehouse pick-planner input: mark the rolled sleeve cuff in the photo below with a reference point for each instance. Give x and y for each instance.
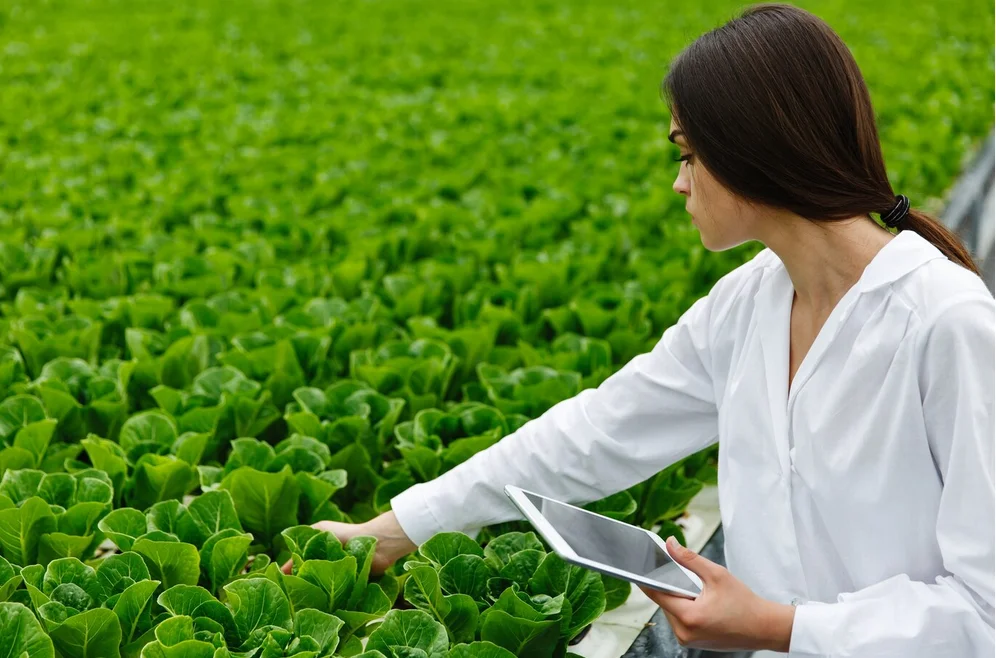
(814, 629)
(412, 511)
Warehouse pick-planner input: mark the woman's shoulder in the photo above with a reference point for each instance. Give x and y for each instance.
(730, 298)
(950, 310)
(940, 286)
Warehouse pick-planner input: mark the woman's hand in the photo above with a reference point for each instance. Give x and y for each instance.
(392, 542)
(727, 615)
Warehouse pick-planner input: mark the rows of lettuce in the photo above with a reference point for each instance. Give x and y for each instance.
(201, 577)
(296, 394)
(82, 466)
(338, 453)
(183, 585)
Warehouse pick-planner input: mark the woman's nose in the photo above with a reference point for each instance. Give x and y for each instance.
(680, 185)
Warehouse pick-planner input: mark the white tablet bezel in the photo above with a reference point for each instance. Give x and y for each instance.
(562, 548)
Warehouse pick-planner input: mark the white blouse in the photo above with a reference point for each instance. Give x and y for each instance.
(865, 491)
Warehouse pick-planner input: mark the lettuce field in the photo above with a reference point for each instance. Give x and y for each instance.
(266, 263)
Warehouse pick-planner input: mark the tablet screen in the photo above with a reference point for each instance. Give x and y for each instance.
(618, 545)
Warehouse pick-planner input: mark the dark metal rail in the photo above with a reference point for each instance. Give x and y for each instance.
(970, 210)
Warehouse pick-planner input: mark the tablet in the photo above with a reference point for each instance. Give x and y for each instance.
(605, 545)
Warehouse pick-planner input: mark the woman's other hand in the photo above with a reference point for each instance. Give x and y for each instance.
(727, 615)
(392, 542)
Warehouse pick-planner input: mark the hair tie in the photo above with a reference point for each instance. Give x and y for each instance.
(898, 213)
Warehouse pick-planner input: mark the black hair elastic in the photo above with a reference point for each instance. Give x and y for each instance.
(898, 213)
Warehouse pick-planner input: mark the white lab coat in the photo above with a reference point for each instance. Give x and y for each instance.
(866, 491)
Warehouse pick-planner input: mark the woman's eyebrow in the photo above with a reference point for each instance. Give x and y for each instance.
(674, 133)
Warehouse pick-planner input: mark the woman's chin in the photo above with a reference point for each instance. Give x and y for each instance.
(708, 241)
(712, 244)
(718, 245)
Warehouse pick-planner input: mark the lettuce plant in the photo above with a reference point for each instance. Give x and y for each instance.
(511, 593)
(436, 441)
(223, 404)
(417, 371)
(45, 516)
(23, 635)
(93, 612)
(528, 391)
(201, 542)
(344, 413)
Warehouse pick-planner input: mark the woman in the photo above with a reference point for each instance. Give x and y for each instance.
(846, 371)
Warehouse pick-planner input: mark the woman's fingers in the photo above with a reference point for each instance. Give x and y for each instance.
(700, 566)
(392, 543)
(669, 603)
(343, 532)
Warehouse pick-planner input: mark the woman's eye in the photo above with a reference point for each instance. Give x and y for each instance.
(684, 158)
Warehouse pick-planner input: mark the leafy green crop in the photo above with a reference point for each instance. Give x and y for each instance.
(261, 266)
(511, 593)
(46, 516)
(436, 441)
(92, 612)
(23, 634)
(510, 598)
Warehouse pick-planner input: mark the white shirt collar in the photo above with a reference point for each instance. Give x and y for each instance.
(902, 255)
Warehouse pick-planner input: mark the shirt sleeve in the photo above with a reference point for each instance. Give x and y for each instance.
(952, 616)
(657, 409)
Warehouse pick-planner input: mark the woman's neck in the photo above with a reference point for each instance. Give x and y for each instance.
(825, 259)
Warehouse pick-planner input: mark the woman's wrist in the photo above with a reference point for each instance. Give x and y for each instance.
(391, 538)
(776, 626)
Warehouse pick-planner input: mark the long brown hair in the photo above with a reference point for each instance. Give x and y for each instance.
(775, 106)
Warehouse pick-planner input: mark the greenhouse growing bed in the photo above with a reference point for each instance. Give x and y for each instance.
(270, 264)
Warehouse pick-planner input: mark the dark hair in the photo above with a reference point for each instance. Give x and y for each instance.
(775, 106)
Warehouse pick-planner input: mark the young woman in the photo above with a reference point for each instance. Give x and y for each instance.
(847, 372)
